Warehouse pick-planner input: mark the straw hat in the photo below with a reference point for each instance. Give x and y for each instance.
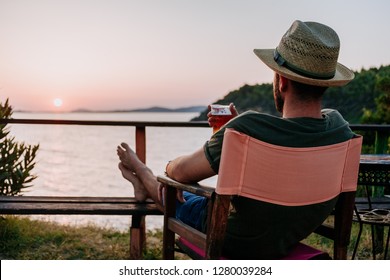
(308, 53)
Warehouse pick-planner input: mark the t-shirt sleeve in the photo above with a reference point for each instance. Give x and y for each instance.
(212, 149)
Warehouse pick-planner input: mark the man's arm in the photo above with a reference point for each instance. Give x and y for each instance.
(190, 168)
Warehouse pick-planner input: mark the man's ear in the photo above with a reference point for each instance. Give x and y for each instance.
(283, 83)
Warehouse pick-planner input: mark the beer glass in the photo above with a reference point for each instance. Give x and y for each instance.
(221, 115)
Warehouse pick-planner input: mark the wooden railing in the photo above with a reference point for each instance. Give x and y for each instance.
(382, 132)
(140, 128)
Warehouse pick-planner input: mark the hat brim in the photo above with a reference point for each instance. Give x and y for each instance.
(342, 77)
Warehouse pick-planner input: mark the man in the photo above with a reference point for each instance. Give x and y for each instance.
(305, 64)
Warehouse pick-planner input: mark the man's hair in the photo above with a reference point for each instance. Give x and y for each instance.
(307, 92)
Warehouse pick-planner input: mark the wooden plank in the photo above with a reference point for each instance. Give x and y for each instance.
(106, 123)
(50, 208)
(71, 199)
(191, 235)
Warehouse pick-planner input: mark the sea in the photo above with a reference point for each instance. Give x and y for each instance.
(76, 160)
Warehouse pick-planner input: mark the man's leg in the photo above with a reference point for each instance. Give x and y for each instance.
(131, 162)
(191, 210)
(140, 192)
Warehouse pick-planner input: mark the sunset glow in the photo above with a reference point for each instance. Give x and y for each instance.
(104, 55)
(57, 102)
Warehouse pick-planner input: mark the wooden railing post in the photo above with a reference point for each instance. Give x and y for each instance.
(381, 142)
(381, 147)
(140, 142)
(137, 230)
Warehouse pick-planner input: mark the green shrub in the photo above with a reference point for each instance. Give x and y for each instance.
(16, 158)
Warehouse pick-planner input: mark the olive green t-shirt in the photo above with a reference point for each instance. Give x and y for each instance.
(261, 230)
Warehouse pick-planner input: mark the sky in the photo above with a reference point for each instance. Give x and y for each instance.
(123, 54)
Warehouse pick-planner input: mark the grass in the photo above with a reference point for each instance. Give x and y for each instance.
(364, 251)
(25, 239)
(22, 238)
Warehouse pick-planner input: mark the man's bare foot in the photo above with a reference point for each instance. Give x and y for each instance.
(140, 192)
(128, 157)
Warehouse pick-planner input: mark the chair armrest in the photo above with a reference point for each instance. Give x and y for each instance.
(194, 188)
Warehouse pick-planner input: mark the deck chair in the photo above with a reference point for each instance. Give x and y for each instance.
(247, 169)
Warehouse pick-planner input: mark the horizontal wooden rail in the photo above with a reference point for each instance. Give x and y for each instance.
(371, 127)
(63, 205)
(381, 141)
(357, 127)
(105, 123)
(382, 134)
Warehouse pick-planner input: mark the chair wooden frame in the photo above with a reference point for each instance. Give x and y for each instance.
(218, 210)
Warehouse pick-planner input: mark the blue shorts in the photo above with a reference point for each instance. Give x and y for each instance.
(193, 211)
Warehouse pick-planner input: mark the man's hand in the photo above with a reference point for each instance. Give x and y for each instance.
(213, 119)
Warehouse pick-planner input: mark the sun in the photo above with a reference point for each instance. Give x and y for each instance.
(57, 102)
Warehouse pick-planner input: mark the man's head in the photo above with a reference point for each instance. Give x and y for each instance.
(303, 93)
(308, 54)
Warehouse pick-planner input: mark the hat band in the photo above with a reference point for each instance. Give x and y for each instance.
(282, 62)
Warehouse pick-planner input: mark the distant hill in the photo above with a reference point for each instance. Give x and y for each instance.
(168, 110)
(247, 97)
(350, 100)
(149, 110)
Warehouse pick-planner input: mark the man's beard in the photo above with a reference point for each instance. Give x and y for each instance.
(279, 102)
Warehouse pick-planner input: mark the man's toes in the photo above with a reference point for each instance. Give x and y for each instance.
(125, 146)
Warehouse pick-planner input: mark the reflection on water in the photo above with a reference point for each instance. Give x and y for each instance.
(82, 160)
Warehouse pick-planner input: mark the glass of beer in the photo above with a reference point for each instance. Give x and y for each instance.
(221, 115)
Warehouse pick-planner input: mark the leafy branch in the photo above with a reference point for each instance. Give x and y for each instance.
(16, 159)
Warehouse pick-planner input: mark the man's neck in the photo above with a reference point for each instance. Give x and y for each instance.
(312, 110)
